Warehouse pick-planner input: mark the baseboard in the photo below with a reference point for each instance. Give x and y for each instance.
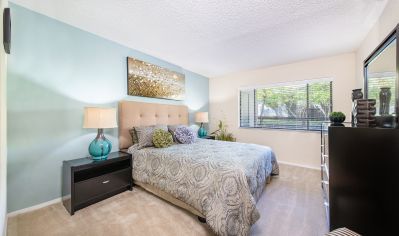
(35, 207)
(299, 165)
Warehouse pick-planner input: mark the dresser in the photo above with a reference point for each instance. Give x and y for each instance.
(359, 178)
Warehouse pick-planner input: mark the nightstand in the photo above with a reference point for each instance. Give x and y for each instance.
(209, 137)
(86, 181)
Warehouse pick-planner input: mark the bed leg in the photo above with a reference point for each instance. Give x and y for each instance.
(202, 220)
(269, 179)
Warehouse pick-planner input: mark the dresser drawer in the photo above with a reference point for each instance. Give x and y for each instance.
(326, 190)
(324, 175)
(95, 187)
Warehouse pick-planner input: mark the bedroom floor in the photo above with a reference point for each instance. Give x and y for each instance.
(291, 205)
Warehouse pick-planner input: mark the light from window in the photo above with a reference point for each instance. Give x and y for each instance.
(297, 106)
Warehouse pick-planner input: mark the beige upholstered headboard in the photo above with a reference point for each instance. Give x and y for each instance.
(143, 114)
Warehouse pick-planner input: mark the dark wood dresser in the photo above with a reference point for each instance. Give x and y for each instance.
(86, 181)
(360, 177)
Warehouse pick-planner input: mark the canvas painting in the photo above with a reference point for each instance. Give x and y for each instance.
(148, 80)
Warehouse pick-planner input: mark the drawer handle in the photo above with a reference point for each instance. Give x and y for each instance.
(106, 182)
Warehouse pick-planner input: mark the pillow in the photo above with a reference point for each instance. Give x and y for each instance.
(195, 129)
(162, 138)
(172, 129)
(184, 135)
(133, 134)
(144, 136)
(145, 133)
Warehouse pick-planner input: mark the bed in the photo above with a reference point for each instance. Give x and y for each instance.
(215, 180)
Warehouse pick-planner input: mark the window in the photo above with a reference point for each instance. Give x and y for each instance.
(297, 106)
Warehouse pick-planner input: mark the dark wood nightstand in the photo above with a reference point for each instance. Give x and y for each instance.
(86, 181)
(209, 137)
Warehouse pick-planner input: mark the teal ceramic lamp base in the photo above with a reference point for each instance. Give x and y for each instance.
(100, 147)
(202, 131)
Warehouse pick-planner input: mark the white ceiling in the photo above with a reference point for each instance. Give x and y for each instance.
(215, 38)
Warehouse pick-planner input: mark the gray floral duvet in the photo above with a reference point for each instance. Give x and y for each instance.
(222, 180)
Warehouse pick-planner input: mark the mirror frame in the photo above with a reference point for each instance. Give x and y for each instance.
(391, 37)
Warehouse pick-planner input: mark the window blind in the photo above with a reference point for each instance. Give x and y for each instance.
(297, 106)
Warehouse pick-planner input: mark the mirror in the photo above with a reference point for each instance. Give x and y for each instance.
(381, 80)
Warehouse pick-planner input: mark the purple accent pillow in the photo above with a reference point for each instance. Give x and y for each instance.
(184, 135)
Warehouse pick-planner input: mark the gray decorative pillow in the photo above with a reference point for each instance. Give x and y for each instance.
(145, 133)
(135, 139)
(185, 135)
(162, 127)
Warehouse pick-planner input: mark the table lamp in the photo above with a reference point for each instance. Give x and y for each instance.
(99, 118)
(201, 117)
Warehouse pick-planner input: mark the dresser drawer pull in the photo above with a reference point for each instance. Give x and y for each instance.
(106, 182)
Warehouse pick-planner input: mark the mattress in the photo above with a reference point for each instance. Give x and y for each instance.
(220, 180)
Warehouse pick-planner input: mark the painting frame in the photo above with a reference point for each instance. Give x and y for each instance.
(145, 79)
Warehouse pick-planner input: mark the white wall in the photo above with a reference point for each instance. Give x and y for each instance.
(298, 147)
(3, 131)
(385, 24)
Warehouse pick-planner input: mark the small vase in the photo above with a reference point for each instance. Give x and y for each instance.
(385, 99)
(357, 94)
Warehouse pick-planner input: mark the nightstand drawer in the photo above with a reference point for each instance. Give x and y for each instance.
(95, 187)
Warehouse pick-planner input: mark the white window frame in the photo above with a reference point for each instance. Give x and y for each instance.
(279, 84)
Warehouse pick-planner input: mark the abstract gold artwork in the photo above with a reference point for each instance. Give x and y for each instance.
(148, 80)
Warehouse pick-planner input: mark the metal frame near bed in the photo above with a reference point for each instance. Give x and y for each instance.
(133, 114)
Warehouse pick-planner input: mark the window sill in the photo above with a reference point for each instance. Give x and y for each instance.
(282, 129)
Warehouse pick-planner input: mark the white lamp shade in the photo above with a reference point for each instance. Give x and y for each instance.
(201, 117)
(99, 118)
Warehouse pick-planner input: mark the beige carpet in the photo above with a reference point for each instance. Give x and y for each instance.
(290, 206)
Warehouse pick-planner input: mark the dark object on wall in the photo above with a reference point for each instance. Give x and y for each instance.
(148, 80)
(385, 99)
(364, 113)
(7, 30)
(362, 183)
(356, 94)
(85, 181)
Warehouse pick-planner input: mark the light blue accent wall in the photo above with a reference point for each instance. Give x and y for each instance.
(54, 71)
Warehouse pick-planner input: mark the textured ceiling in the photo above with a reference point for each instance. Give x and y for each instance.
(219, 37)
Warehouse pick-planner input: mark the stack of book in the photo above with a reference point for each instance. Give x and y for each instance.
(364, 113)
